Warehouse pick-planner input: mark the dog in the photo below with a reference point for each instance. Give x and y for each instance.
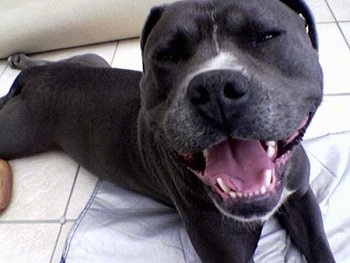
(211, 127)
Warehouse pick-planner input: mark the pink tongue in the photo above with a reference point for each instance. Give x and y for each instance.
(241, 164)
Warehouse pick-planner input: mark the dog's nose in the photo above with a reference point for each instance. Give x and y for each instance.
(218, 94)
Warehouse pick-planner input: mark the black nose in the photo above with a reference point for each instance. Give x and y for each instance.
(218, 94)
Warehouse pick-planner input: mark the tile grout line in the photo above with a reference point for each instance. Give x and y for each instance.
(23, 222)
(332, 22)
(337, 94)
(63, 219)
(56, 243)
(338, 24)
(345, 38)
(115, 53)
(71, 194)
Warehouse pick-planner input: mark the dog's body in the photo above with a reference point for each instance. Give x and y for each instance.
(227, 91)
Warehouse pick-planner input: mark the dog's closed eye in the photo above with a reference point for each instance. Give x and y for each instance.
(175, 48)
(168, 55)
(268, 35)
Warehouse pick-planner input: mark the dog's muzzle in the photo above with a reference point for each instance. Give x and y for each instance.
(241, 172)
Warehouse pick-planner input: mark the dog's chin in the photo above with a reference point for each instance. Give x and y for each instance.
(245, 177)
(249, 207)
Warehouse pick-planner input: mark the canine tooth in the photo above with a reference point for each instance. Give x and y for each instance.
(257, 192)
(268, 177)
(271, 148)
(233, 195)
(263, 190)
(271, 151)
(205, 154)
(251, 194)
(271, 143)
(222, 185)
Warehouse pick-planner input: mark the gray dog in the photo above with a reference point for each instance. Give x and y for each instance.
(211, 127)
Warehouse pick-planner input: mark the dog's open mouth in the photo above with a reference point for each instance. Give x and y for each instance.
(240, 170)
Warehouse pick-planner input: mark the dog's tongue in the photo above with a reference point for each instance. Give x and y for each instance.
(241, 164)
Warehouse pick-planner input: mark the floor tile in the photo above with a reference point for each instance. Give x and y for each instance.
(330, 117)
(83, 188)
(3, 64)
(128, 55)
(42, 185)
(57, 254)
(6, 80)
(341, 9)
(335, 59)
(346, 30)
(320, 10)
(27, 243)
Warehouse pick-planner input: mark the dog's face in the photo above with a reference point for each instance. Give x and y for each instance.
(229, 87)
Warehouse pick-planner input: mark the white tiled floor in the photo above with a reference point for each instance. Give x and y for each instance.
(340, 9)
(50, 190)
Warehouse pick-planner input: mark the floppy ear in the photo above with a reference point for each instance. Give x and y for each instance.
(153, 17)
(302, 9)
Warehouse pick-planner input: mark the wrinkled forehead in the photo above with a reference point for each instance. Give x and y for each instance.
(199, 20)
(183, 19)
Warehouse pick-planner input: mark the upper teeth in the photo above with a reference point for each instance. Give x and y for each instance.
(206, 154)
(271, 148)
(236, 194)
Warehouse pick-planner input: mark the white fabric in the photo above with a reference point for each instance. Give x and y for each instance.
(37, 25)
(122, 226)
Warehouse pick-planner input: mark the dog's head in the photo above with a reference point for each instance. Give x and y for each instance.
(230, 86)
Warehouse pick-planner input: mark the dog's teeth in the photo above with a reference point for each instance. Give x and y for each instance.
(268, 177)
(205, 154)
(263, 190)
(271, 143)
(271, 151)
(271, 148)
(233, 195)
(223, 186)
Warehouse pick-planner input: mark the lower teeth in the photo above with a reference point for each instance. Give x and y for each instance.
(234, 195)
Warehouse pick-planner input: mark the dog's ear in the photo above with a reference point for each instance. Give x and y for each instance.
(153, 17)
(303, 10)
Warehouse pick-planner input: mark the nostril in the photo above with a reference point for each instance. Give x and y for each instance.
(200, 96)
(231, 91)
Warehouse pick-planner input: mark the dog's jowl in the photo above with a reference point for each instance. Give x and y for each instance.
(211, 126)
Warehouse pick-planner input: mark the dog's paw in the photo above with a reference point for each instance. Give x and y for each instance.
(17, 61)
(5, 184)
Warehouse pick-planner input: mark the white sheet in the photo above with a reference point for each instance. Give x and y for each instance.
(123, 226)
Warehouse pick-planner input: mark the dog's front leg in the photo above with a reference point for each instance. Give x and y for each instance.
(301, 216)
(220, 239)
